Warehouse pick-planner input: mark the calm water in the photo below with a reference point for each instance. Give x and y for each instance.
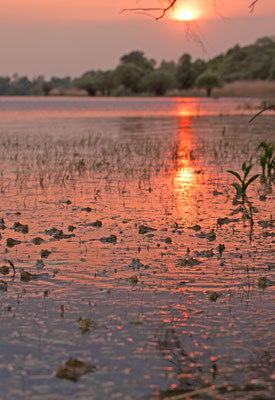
(153, 327)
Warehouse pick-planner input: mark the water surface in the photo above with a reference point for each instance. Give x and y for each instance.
(127, 163)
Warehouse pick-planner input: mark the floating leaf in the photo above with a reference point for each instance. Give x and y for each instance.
(27, 276)
(45, 253)
(4, 270)
(12, 242)
(213, 296)
(134, 279)
(20, 227)
(37, 240)
(74, 369)
(109, 239)
(145, 229)
(86, 325)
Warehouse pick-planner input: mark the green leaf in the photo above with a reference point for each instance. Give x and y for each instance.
(263, 161)
(235, 174)
(262, 145)
(269, 152)
(238, 188)
(247, 170)
(250, 181)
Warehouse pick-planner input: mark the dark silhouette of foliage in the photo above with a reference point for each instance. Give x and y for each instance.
(159, 81)
(137, 74)
(208, 80)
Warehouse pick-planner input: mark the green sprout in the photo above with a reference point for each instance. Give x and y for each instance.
(244, 183)
(267, 160)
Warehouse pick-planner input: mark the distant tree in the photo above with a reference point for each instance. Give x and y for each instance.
(20, 86)
(170, 66)
(216, 64)
(61, 83)
(46, 87)
(158, 82)
(104, 82)
(198, 67)
(208, 80)
(4, 85)
(184, 72)
(272, 70)
(245, 63)
(129, 75)
(138, 58)
(87, 82)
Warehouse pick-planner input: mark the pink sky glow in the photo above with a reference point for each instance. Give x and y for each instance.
(69, 37)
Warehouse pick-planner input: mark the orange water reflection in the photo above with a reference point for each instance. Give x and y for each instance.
(186, 173)
(33, 108)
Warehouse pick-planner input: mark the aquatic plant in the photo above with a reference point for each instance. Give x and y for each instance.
(267, 160)
(244, 182)
(74, 369)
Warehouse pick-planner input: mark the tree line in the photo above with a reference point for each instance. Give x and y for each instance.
(136, 74)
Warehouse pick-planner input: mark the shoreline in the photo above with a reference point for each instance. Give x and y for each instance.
(240, 89)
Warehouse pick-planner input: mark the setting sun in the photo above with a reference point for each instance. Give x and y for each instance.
(185, 15)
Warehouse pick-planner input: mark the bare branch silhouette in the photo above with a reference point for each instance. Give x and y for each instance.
(146, 11)
(272, 107)
(252, 5)
(163, 10)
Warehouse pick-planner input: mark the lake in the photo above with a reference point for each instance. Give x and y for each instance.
(132, 270)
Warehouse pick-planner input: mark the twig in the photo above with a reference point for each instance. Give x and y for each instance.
(163, 10)
(145, 10)
(262, 111)
(191, 394)
(252, 5)
(12, 266)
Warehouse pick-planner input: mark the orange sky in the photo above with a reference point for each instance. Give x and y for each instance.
(69, 37)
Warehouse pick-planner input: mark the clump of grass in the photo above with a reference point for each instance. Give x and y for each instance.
(244, 181)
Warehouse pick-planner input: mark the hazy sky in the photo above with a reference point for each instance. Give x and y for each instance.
(68, 37)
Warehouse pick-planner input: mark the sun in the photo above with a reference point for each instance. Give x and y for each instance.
(185, 15)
